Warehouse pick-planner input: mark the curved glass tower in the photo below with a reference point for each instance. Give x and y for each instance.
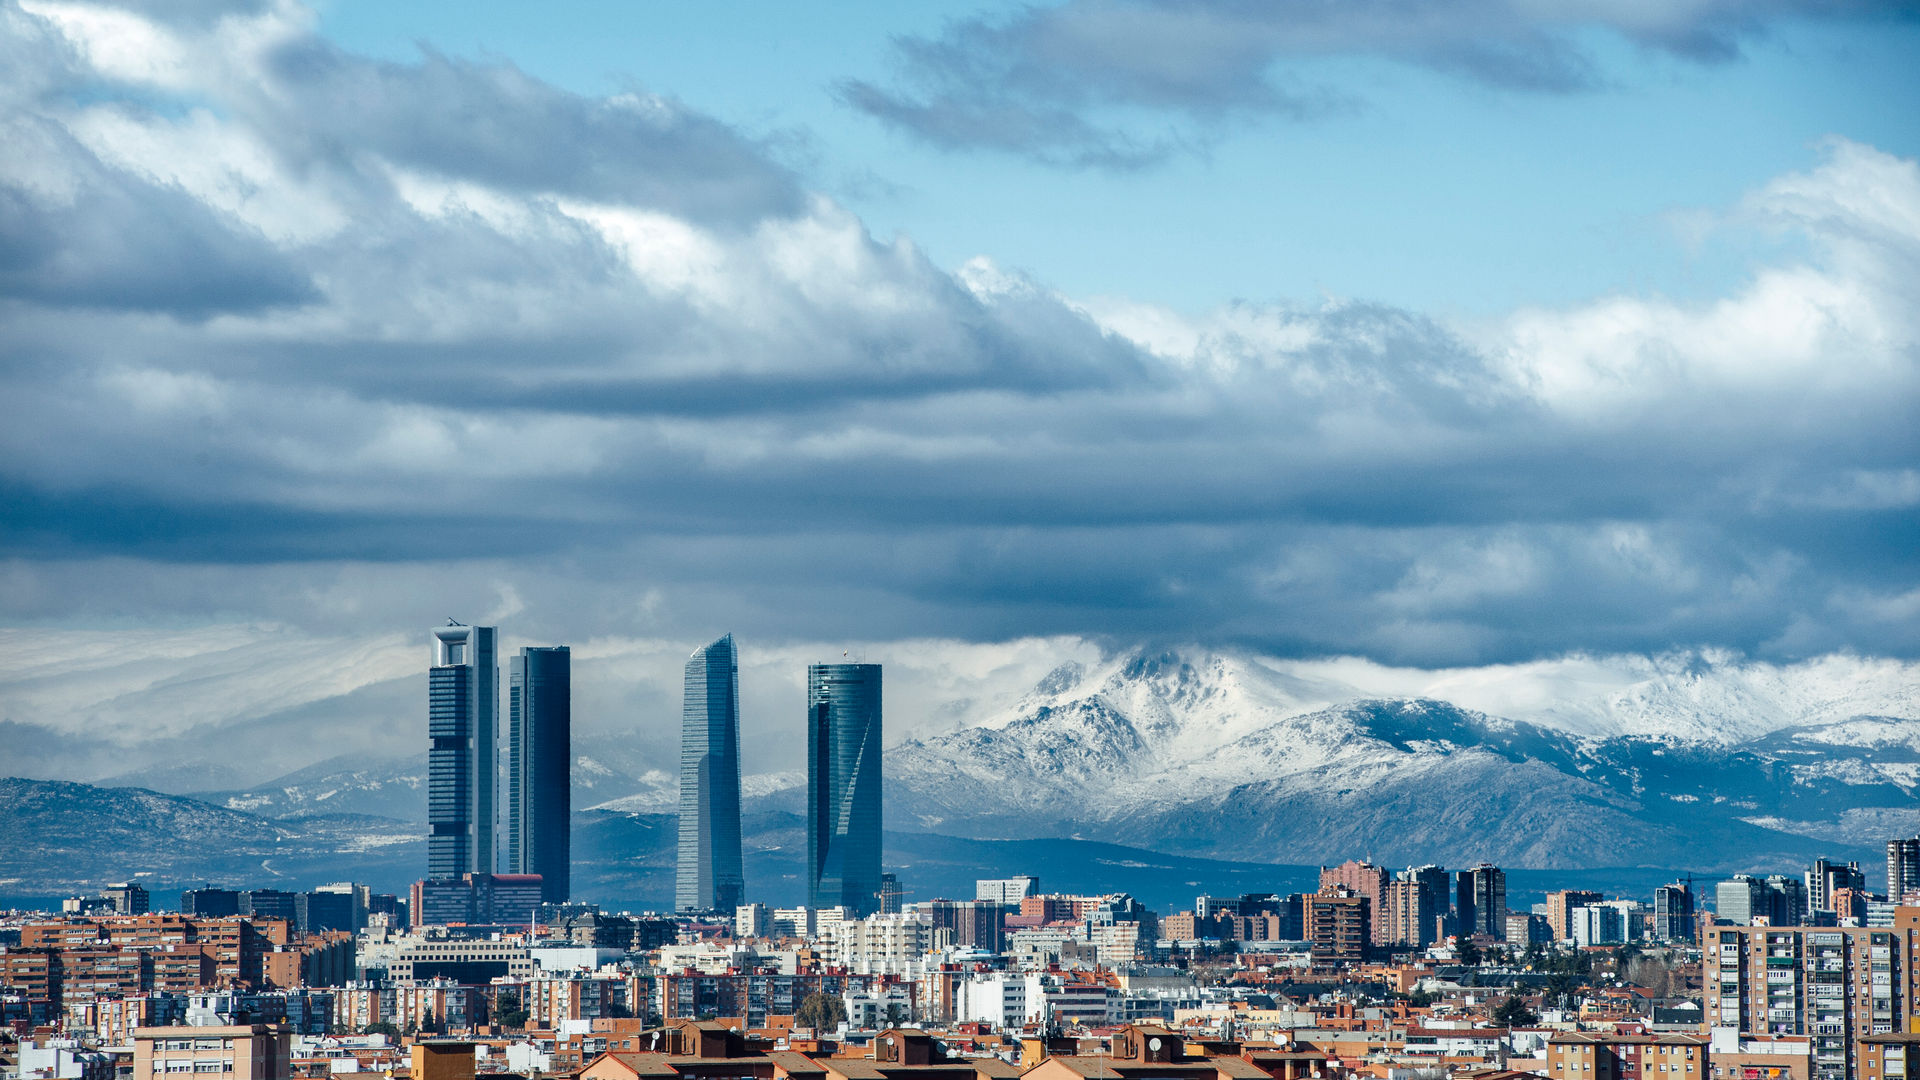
(539, 760)
(843, 786)
(709, 876)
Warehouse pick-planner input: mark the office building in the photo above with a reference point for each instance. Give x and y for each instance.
(1786, 900)
(709, 875)
(1825, 878)
(127, 898)
(973, 924)
(463, 706)
(314, 912)
(1480, 901)
(269, 904)
(210, 903)
(539, 773)
(1739, 899)
(476, 900)
(892, 895)
(1009, 891)
(843, 786)
(1903, 867)
(1673, 912)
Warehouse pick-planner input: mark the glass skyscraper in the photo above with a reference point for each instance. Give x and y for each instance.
(463, 707)
(709, 876)
(843, 786)
(539, 753)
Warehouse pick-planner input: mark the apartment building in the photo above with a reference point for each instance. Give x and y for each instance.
(1592, 1056)
(1560, 905)
(1893, 1056)
(239, 1052)
(1337, 925)
(1837, 985)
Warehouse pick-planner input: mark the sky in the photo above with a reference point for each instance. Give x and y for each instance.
(1435, 337)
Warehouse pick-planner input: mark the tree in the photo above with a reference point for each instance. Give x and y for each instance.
(1513, 1013)
(1420, 999)
(821, 1012)
(895, 1015)
(1469, 952)
(1560, 987)
(381, 1027)
(508, 1011)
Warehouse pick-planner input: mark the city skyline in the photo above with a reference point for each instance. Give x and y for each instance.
(1404, 516)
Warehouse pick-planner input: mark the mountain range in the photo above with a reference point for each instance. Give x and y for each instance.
(1222, 758)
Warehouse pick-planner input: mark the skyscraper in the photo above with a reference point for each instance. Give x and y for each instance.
(1903, 867)
(539, 755)
(1480, 901)
(463, 707)
(1824, 878)
(709, 877)
(843, 786)
(1673, 912)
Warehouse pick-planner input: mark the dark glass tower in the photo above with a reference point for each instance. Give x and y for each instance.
(539, 752)
(463, 708)
(1480, 901)
(843, 786)
(709, 877)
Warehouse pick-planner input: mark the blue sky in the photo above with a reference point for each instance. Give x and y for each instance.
(1423, 190)
(1438, 336)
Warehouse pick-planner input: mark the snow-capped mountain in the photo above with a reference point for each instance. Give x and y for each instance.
(1695, 760)
(1701, 761)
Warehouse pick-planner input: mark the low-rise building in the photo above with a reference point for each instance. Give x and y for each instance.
(239, 1052)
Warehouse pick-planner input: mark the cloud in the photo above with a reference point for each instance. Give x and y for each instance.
(1121, 84)
(369, 344)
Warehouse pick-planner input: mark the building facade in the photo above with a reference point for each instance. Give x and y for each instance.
(539, 768)
(709, 875)
(1903, 867)
(1673, 912)
(1836, 985)
(463, 705)
(843, 786)
(1480, 901)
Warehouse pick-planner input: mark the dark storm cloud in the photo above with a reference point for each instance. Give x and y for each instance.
(450, 334)
(1125, 83)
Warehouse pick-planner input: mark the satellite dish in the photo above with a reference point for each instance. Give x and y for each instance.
(1153, 1044)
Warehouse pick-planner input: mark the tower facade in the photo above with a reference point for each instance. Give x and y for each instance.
(843, 786)
(709, 876)
(1480, 901)
(463, 708)
(1903, 867)
(539, 757)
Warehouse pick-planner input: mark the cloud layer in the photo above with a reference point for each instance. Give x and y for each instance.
(293, 335)
(1125, 83)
